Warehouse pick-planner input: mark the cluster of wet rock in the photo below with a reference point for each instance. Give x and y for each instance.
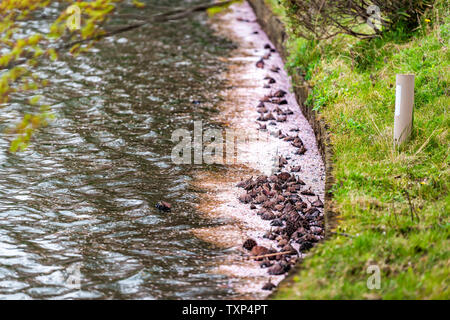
(295, 212)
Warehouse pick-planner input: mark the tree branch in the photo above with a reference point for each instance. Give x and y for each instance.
(167, 16)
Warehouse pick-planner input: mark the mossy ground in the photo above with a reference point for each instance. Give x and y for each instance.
(393, 203)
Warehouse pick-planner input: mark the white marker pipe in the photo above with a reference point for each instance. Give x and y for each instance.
(404, 102)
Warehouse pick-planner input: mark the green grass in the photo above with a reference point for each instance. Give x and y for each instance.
(354, 90)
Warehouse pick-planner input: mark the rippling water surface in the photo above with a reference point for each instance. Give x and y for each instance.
(80, 200)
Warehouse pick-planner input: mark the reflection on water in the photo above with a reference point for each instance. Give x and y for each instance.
(81, 198)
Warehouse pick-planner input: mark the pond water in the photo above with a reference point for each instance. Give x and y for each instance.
(79, 203)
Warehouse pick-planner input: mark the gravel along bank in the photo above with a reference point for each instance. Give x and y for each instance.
(273, 202)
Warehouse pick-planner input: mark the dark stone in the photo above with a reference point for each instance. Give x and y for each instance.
(305, 246)
(276, 223)
(245, 198)
(279, 269)
(259, 251)
(269, 286)
(279, 94)
(260, 64)
(284, 176)
(266, 264)
(301, 150)
(262, 110)
(268, 216)
(269, 116)
(261, 179)
(249, 244)
(290, 249)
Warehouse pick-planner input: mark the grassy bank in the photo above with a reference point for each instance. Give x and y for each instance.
(393, 204)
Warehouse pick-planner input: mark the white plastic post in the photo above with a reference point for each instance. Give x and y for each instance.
(404, 102)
